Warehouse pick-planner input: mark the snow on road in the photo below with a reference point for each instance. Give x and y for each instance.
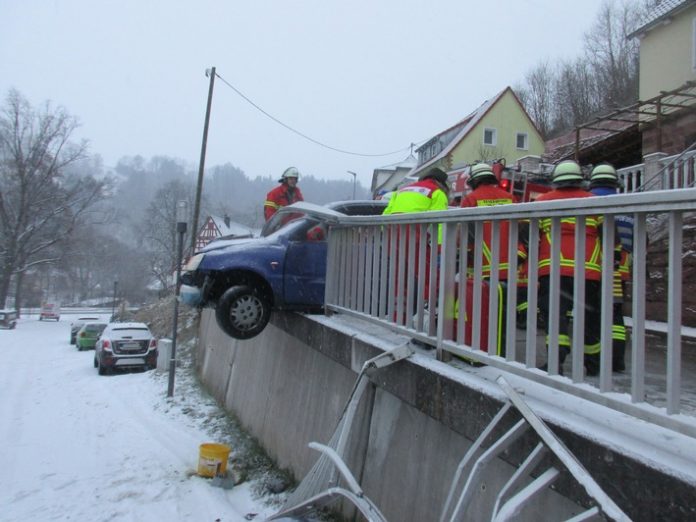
(78, 446)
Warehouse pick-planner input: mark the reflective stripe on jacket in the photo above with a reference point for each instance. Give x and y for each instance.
(489, 196)
(593, 245)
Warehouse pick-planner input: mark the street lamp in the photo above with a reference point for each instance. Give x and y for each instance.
(355, 176)
(181, 219)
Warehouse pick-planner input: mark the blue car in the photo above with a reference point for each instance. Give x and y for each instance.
(284, 268)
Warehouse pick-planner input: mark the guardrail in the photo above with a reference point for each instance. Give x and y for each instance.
(384, 270)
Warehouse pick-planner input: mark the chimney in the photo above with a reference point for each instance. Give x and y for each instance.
(226, 219)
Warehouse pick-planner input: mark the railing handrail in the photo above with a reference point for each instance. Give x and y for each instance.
(366, 278)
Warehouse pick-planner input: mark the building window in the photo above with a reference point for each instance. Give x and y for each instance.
(522, 141)
(490, 136)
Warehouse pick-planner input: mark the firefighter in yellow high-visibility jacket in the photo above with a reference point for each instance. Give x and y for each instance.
(430, 192)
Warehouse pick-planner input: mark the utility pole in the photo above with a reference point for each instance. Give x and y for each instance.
(199, 186)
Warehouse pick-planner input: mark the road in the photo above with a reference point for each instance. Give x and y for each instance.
(78, 446)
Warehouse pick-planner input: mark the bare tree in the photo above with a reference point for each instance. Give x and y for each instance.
(39, 205)
(158, 230)
(612, 56)
(576, 94)
(537, 96)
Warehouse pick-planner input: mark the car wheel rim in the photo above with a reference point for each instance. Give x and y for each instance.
(246, 312)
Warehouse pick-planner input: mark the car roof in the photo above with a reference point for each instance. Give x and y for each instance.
(331, 212)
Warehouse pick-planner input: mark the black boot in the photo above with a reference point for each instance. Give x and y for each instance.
(592, 364)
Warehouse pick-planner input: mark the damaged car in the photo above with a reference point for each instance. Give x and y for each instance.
(283, 269)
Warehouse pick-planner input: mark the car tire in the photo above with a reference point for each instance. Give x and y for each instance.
(243, 312)
(96, 364)
(101, 369)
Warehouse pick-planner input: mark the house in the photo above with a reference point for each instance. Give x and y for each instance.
(386, 179)
(499, 128)
(668, 76)
(216, 227)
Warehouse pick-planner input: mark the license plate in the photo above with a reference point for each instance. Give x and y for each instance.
(130, 361)
(130, 347)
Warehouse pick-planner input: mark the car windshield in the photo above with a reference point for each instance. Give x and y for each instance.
(280, 220)
(95, 327)
(123, 331)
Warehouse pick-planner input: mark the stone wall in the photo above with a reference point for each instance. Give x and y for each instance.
(289, 385)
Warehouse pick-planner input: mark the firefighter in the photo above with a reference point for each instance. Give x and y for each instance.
(603, 182)
(284, 194)
(487, 193)
(430, 192)
(567, 180)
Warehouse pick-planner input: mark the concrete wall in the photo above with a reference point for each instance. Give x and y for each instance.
(288, 386)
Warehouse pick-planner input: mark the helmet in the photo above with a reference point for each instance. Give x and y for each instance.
(567, 172)
(437, 174)
(480, 172)
(290, 172)
(604, 175)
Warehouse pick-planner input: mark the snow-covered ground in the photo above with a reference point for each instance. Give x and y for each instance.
(80, 447)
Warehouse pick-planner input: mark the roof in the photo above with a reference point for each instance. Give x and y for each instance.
(661, 12)
(233, 229)
(407, 163)
(467, 125)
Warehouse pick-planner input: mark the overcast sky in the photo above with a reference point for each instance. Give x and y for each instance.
(365, 76)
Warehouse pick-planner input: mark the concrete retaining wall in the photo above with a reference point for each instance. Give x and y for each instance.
(289, 385)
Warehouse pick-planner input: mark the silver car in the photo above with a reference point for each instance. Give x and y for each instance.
(125, 345)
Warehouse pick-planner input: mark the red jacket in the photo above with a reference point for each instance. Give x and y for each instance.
(488, 196)
(281, 196)
(593, 245)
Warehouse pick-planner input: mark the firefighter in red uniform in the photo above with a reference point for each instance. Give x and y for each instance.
(487, 193)
(283, 195)
(568, 181)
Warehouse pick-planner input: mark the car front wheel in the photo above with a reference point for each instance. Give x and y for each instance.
(243, 312)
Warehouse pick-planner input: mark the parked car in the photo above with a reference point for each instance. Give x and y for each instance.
(8, 319)
(87, 335)
(125, 345)
(49, 311)
(284, 268)
(78, 323)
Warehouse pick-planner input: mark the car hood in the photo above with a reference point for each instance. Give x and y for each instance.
(226, 243)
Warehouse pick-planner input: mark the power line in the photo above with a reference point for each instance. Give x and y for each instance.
(302, 134)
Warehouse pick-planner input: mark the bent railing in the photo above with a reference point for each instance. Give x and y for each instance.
(391, 271)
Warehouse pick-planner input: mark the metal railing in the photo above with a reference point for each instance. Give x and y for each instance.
(387, 270)
(675, 172)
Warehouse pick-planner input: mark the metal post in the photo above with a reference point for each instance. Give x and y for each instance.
(181, 211)
(201, 166)
(354, 181)
(113, 303)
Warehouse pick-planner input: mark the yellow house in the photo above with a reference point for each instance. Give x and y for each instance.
(668, 76)
(667, 47)
(499, 128)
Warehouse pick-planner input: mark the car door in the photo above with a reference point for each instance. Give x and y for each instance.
(305, 266)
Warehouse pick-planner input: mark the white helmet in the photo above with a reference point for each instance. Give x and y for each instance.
(290, 172)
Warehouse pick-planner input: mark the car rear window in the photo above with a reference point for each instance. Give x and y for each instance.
(95, 327)
(131, 331)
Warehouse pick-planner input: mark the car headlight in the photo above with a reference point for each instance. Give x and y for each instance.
(193, 263)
